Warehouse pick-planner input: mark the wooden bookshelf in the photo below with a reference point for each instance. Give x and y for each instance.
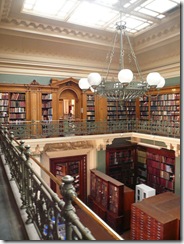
(121, 163)
(90, 110)
(165, 107)
(17, 107)
(161, 169)
(47, 106)
(144, 107)
(141, 175)
(4, 107)
(75, 166)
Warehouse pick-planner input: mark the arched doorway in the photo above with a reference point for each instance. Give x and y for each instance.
(68, 105)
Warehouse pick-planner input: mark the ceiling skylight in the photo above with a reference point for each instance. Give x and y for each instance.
(101, 14)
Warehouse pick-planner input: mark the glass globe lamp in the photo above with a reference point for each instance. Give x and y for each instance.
(125, 76)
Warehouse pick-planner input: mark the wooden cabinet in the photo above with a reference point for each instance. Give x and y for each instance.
(156, 218)
(111, 200)
(4, 107)
(76, 167)
(121, 163)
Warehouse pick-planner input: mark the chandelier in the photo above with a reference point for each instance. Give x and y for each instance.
(128, 86)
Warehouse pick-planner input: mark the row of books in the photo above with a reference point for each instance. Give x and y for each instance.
(4, 95)
(3, 109)
(166, 97)
(165, 108)
(161, 184)
(17, 110)
(4, 102)
(165, 118)
(17, 104)
(90, 112)
(90, 103)
(90, 108)
(168, 113)
(47, 112)
(165, 103)
(3, 119)
(17, 116)
(144, 109)
(141, 159)
(18, 96)
(46, 96)
(90, 117)
(47, 105)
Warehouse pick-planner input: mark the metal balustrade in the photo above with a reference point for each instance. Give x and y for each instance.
(53, 218)
(56, 128)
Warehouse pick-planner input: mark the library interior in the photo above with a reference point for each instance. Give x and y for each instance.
(90, 120)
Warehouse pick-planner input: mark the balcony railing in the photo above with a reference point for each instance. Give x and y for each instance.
(55, 128)
(53, 218)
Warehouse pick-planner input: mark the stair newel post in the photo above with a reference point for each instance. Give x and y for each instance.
(68, 191)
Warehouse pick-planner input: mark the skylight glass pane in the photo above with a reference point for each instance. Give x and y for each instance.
(148, 12)
(126, 5)
(142, 26)
(48, 7)
(66, 9)
(133, 1)
(133, 23)
(91, 14)
(28, 4)
(107, 2)
(160, 16)
(161, 8)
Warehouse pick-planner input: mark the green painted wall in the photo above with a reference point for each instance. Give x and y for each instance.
(101, 161)
(44, 80)
(177, 176)
(23, 79)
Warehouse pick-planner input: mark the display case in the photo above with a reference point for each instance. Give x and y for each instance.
(106, 199)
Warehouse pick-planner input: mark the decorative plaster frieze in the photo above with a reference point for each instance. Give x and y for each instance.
(161, 33)
(96, 37)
